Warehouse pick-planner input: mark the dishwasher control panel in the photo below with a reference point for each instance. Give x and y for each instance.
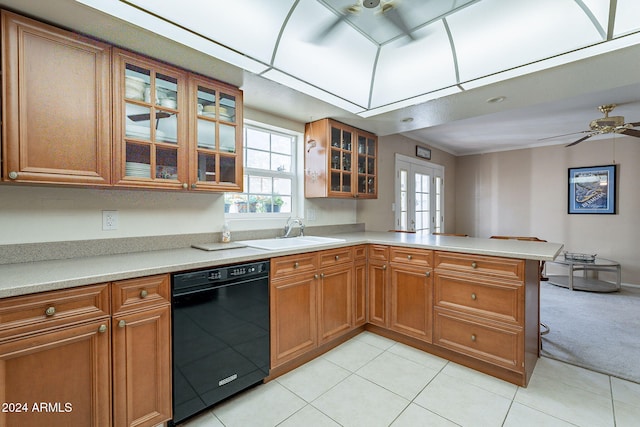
(219, 275)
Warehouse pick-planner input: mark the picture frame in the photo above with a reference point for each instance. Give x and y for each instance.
(592, 190)
(423, 152)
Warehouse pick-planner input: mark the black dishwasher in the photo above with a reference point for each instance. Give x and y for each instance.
(220, 334)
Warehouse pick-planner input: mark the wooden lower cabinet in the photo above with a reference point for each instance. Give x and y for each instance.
(69, 359)
(411, 301)
(57, 378)
(360, 293)
(141, 342)
(294, 325)
(335, 304)
(312, 307)
(487, 308)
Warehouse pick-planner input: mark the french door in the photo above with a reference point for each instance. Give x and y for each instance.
(419, 195)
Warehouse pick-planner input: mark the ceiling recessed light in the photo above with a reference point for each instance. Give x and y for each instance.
(496, 99)
(407, 120)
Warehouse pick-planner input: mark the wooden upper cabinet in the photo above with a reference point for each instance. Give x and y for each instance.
(215, 154)
(55, 105)
(174, 129)
(150, 123)
(341, 161)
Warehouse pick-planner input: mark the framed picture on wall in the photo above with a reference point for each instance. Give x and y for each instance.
(592, 190)
(423, 152)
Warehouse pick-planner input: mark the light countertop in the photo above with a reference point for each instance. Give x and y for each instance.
(32, 277)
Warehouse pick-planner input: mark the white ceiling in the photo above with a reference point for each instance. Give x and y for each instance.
(554, 61)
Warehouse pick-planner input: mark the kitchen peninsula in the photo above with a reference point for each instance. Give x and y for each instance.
(471, 300)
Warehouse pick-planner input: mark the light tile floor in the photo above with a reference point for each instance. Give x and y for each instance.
(373, 381)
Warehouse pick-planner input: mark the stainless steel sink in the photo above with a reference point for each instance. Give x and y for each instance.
(290, 242)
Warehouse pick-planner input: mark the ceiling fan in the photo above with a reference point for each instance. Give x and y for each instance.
(388, 9)
(606, 124)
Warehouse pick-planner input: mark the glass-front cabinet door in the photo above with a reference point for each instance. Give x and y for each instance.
(216, 156)
(367, 164)
(150, 125)
(341, 140)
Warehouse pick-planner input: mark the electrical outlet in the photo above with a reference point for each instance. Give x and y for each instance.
(109, 220)
(311, 214)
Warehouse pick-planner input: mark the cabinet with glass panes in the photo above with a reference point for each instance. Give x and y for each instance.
(174, 129)
(149, 123)
(216, 152)
(340, 161)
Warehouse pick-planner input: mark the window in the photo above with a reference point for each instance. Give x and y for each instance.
(269, 174)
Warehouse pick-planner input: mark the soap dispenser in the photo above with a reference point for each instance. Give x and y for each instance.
(226, 233)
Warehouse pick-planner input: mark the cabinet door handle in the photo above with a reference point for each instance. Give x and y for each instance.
(409, 257)
(13, 175)
(322, 275)
(473, 337)
(427, 273)
(122, 324)
(474, 264)
(143, 293)
(102, 329)
(315, 276)
(296, 265)
(474, 296)
(194, 185)
(185, 185)
(384, 267)
(337, 257)
(50, 311)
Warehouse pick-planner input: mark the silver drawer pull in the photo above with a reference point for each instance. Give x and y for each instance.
(102, 329)
(50, 311)
(122, 324)
(474, 264)
(474, 296)
(143, 293)
(296, 265)
(473, 337)
(384, 267)
(337, 257)
(427, 273)
(315, 276)
(409, 257)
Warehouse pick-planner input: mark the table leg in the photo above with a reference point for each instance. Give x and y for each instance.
(571, 277)
(619, 276)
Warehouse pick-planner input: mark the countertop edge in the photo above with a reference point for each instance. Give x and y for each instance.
(41, 276)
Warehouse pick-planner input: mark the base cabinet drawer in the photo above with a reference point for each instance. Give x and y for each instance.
(499, 300)
(503, 268)
(26, 314)
(489, 342)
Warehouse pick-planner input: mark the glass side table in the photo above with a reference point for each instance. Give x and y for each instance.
(585, 282)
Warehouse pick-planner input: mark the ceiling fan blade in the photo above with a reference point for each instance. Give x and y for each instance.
(634, 124)
(580, 140)
(631, 132)
(390, 11)
(566, 134)
(328, 30)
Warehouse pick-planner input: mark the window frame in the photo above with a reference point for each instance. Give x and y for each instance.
(248, 172)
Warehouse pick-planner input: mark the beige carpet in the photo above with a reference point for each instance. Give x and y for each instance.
(598, 331)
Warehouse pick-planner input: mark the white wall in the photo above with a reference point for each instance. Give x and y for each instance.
(524, 192)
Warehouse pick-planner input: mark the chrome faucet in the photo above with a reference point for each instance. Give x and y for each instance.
(289, 226)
